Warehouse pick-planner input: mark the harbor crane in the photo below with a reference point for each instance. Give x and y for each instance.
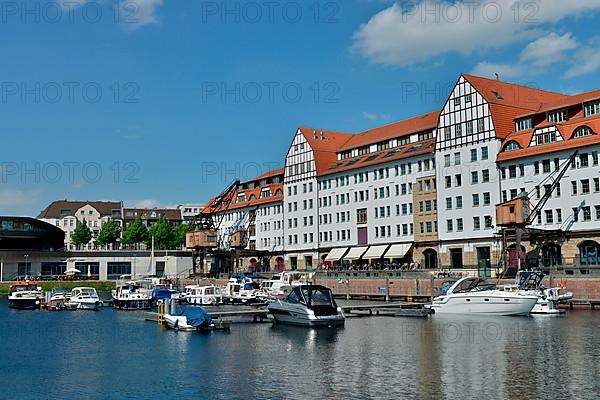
(206, 235)
(516, 215)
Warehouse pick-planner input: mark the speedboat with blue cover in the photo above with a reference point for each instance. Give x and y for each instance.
(308, 305)
(192, 319)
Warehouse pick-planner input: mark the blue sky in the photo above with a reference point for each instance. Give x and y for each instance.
(83, 94)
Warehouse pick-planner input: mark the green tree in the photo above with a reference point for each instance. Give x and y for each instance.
(135, 233)
(109, 233)
(82, 234)
(163, 233)
(180, 233)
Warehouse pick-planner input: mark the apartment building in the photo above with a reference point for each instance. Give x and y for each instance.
(65, 214)
(424, 190)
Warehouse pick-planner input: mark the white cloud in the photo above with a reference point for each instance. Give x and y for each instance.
(548, 49)
(585, 61)
(14, 200)
(147, 203)
(415, 33)
(375, 117)
(488, 69)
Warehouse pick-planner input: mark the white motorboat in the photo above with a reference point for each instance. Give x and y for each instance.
(83, 298)
(549, 299)
(25, 295)
(244, 292)
(308, 305)
(202, 295)
(59, 296)
(279, 286)
(476, 296)
(129, 295)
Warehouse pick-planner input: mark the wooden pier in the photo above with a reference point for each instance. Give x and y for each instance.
(398, 309)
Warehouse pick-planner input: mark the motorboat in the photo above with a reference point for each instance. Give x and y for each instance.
(549, 299)
(192, 319)
(279, 286)
(83, 298)
(129, 295)
(308, 305)
(244, 292)
(472, 295)
(58, 298)
(202, 295)
(25, 295)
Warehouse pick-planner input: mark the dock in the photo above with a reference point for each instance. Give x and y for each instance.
(397, 309)
(257, 314)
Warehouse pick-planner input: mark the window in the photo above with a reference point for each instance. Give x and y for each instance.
(545, 138)
(449, 226)
(594, 157)
(512, 146)
(458, 180)
(457, 101)
(486, 199)
(587, 213)
(474, 177)
(536, 167)
(512, 171)
(546, 166)
(484, 153)
(447, 133)
(584, 160)
(475, 200)
(448, 203)
(557, 116)
(448, 181)
(582, 132)
(480, 125)
(485, 175)
(549, 216)
(361, 216)
(521, 169)
(597, 208)
(592, 109)
(459, 225)
(476, 223)
(473, 155)
(596, 185)
(575, 214)
(559, 216)
(468, 98)
(523, 124)
(488, 222)
(456, 158)
(585, 186)
(573, 187)
(458, 129)
(446, 160)
(459, 202)
(469, 127)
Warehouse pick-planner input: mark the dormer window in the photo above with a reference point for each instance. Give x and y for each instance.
(241, 197)
(582, 131)
(265, 193)
(591, 108)
(512, 146)
(523, 124)
(545, 138)
(557, 116)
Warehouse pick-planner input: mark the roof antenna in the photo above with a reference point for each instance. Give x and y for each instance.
(497, 76)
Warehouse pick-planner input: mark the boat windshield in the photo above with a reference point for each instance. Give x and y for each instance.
(473, 285)
(311, 296)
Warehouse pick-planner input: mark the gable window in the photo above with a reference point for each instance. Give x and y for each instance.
(457, 102)
(447, 133)
(468, 98)
(480, 125)
(469, 127)
(592, 108)
(458, 129)
(511, 146)
(545, 138)
(582, 131)
(523, 124)
(557, 116)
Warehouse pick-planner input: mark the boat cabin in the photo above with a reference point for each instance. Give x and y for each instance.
(315, 297)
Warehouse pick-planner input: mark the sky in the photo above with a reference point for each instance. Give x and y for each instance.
(163, 102)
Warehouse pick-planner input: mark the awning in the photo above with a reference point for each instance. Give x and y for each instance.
(398, 250)
(375, 252)
(355, 253)
(336, 254)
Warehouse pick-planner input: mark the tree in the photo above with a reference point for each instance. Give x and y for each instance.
(135, 233)
(109, 233)
(82, 234)
(163, 233)
(181, 232)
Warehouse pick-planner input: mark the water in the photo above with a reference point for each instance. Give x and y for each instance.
(111, 354)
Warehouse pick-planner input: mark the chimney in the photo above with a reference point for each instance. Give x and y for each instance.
(315, 134)
(497, 76)
(322, 136)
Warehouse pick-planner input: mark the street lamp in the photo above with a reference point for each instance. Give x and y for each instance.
(26, 257)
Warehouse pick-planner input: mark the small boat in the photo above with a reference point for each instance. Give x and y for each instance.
(476, 296)
(308, 305)
(278, 286)
(202, 295)
(194, 319)
(83, 298)
(129, 295)
(244, 292)
(25, 296)
(59, 296)
(549, 299)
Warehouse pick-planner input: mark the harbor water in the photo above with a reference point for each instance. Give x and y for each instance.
(110, 354)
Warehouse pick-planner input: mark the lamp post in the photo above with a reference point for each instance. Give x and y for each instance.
(26, 257)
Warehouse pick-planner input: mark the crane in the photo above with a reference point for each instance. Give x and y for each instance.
(206, 235)
(517, 214)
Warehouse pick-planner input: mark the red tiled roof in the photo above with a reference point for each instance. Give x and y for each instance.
(105, 208)
(566, 130)
(395, 130)
(269, 174)
(512, 100)
(325, 151)
(576, 99)
(406, 151)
